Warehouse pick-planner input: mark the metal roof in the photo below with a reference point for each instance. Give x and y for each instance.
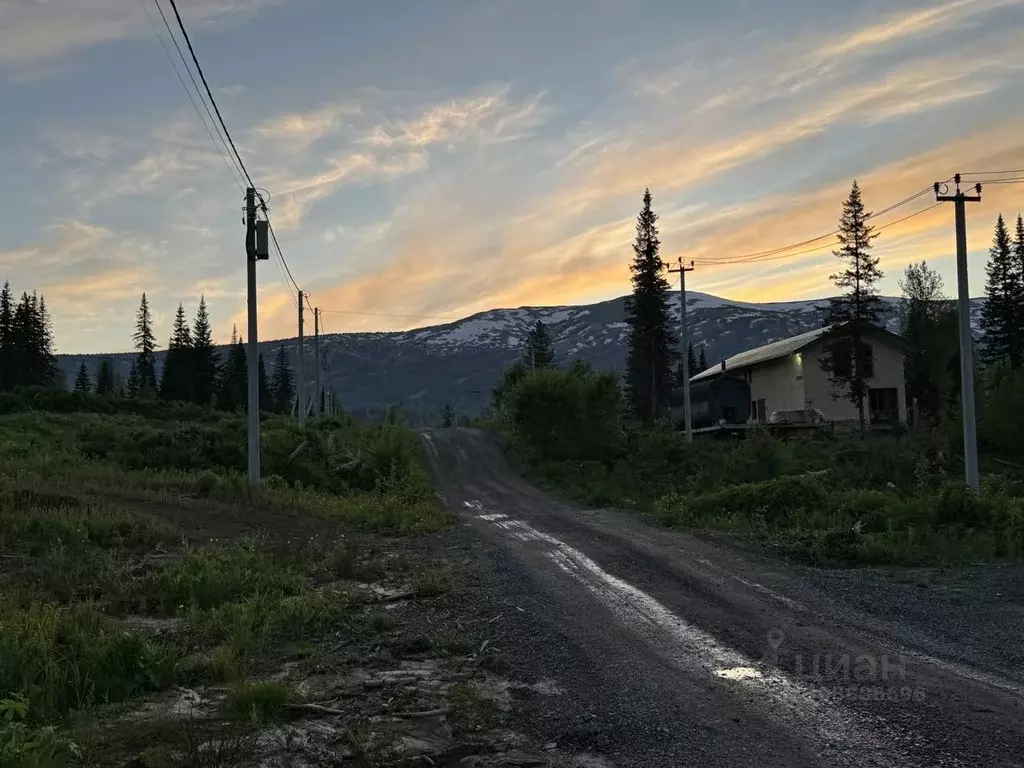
(780, 349)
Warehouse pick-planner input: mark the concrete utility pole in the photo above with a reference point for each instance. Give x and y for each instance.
(319, 362)
(256, 248)
(301, 389)
(684, 344)
(966, 344)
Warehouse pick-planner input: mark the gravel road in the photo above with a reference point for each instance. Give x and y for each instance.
(650, 647)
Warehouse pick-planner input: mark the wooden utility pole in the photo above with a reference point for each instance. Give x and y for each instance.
(301, 389)
(684, 344)
(256, 248)
(964, 315)
(319, 363)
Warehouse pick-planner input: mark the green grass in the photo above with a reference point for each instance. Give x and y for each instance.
(258, 703)
(82, 482)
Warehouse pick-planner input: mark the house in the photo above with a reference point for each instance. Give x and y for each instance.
(787, 376)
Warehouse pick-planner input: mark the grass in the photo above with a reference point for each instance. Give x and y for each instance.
(258, 703)
(85, 500)
(830, 500)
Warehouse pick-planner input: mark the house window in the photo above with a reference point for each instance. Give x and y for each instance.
(842, 361)
(758, 410)
(867, 361)
(884, 404)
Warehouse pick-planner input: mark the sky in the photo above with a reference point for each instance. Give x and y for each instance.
(428, 160)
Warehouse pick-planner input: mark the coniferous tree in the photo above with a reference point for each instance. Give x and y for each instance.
(8, 366)
(145, 357)
(539, 352)
(847, 357)
(205, 360)
(998, 315)
(447, 416)
(282, 385)
(131, 385)
(650, 354)
(105, 378)
(177, 380)
(31, 344)
(1018, 273)
(702, 364)
(234, 379)
(82, 384)
(264, 385)
(691, 360)
(928, 323)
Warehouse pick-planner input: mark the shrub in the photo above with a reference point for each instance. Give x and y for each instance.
(61, 658)
(259, 702)
(23, 745)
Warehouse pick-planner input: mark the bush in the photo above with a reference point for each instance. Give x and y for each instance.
(61, 658)
(23, 745)
(259, 702)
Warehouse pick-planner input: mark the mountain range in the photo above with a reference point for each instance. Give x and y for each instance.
(459, 362)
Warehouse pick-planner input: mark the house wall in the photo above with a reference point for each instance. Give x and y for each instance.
(888, 359)
(780, 383)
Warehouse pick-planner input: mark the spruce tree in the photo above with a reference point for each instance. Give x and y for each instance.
(264, 385)
(691, 359)
(539, 351)
(31, 344)
(234, 379)
(282, 385)
(847, 357)
(176, 383)
(105, 378)
(1018, 277)
(82, 384)
(205, 360)
(8, 366)
(145, 357)
(447, 416)
(131, 385)
(928, 323)
(999, 313)
(702, 364)
(650, 354)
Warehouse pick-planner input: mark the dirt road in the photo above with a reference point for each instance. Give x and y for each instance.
(655, 648)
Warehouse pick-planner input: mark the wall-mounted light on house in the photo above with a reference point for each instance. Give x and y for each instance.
(799, 359)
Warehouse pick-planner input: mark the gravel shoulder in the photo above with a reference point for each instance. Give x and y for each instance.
(651, 647)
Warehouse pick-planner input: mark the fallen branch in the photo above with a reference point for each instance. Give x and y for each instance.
(1007, 463)
(318, 708)
(425, 713)
(298, 450)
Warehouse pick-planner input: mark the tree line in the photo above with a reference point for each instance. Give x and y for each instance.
(193, 371)
(26, 342)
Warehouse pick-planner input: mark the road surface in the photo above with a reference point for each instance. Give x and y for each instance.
(654, 648)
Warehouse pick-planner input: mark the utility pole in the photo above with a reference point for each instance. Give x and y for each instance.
(316, 352)
(966, 344)
(256, 248)
(684, 344)
(301, 389)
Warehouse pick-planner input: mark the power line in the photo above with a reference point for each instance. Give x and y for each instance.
(213, 101)
(388, 314)
(181, 55)
(227, 164)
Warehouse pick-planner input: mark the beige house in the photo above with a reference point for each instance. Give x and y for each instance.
(787, 376)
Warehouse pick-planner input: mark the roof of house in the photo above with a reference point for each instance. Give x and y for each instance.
(779, 349)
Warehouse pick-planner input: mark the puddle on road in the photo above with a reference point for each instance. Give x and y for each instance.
(739, 673)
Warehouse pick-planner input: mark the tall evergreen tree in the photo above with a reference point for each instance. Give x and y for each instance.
(691, 360)
(177, 380)
(205, 359)
(82, 384)
(650, 354)
(131, 385)
(702, 364)
(264, 385)
(282, 385)
(1005, 296)
(31, 344)
(847, 357)
(234, 378)
(8, 367)
(145, 348)
(539, 351)
(105, 378)
(928, 323)
(1018, 273)
(448, 416)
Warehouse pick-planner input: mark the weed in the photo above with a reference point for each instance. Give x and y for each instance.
(258, 703)
(434, 581)
(470, 710)
(231, 750)
(23, 745)
(381, 622)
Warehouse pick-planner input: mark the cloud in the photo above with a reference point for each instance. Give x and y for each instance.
(899, 27)
(299, 130)
(34, 31)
